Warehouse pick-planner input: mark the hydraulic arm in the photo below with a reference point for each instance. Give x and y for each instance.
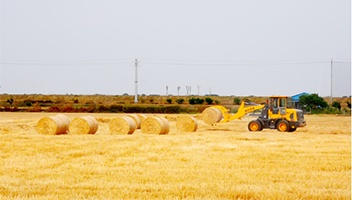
(242, 111)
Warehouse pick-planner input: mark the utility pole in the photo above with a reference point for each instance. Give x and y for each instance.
(136, 81)
(331, 64)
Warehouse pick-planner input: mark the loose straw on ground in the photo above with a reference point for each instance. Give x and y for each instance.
(186, 123)
(211, 115)
(155, 125)
(53, 125)
(83, 125)
(122, 125)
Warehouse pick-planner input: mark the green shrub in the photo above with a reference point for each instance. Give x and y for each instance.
(152, 109)
(132, 109)
(193, 101)
(209, 100)
(172, 109)
(103, 109)
(28, 103)
(337, 105)
(237, 101)
(116, 108)
(180, 101)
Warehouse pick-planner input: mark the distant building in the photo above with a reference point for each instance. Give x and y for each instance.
(295, 99)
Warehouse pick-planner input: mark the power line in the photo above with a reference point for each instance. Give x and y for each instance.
(163, 62)
(65, 62)
(233, 63)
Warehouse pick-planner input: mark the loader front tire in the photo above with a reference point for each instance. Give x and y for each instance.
(254, 125)
(283, 126)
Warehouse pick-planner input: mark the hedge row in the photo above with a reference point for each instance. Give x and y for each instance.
(129, 109)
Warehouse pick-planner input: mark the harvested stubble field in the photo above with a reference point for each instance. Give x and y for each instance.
(225, 161)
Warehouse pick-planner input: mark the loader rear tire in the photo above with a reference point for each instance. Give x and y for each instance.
(283, 126)
(254, 125)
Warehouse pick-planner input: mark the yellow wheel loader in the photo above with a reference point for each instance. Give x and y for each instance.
(274, 115)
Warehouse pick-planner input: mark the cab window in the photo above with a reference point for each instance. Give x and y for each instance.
(283, 102)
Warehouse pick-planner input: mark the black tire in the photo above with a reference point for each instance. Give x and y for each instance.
(254, 125)
(282, 126)
(261, 124)
(292, 129)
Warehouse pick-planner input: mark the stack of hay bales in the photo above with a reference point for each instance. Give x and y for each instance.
(186, 123)
(123, 125)
(211, 115)
(83, 125)
(53, 125)
(155, 125)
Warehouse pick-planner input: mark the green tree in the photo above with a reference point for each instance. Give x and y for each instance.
(237, 101)
(169, 101)
(312, 102)
(199, 101)
(336, 105)
(192, 101)
(209, 100)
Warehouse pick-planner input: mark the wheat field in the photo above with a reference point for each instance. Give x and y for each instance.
(224, 161)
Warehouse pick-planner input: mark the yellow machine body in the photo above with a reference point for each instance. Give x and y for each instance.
(274, 115)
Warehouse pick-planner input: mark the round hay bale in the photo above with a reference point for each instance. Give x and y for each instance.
(211, 115)
(166, 125)
(95, 123)
(142, 117)
(122, 125)
(186, 123)
(153, 125)
(53, 125)
(83, 125)
(64, 119)
(136, 119)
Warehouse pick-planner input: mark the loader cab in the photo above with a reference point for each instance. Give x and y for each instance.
(278, 105)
